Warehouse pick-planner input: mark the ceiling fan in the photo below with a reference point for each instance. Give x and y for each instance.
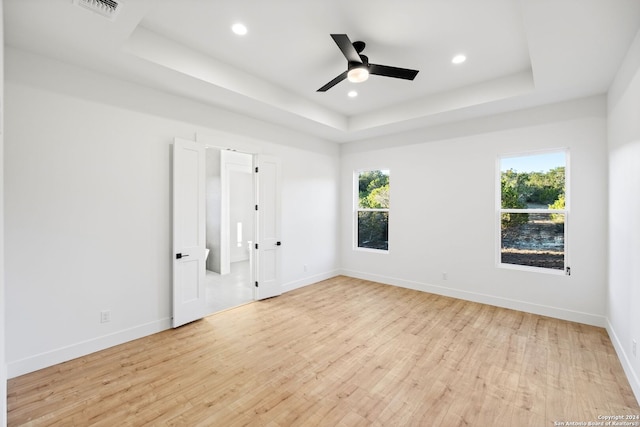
(358, 67)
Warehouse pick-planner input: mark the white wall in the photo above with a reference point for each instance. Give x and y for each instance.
(443, 218)
(88, 205)
(308, 185)
(3, 364)
(624, 214)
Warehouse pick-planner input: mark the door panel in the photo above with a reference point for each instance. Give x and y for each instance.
(189, 301)
(269, 244)
(188, 271)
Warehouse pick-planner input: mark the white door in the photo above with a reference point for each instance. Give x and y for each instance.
(189, 302)
(268, 227)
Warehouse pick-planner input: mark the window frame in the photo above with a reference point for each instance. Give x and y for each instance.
(357, 209)
(566, 271)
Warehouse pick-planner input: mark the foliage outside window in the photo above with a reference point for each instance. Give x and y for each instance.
(372, 210)
(533, 211)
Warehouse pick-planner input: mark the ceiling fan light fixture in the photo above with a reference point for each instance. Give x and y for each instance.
(358, 74)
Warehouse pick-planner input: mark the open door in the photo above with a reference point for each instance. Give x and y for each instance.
(268, 227)
(189, 269)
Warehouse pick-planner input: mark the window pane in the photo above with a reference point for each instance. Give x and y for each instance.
(535, 240)
(373, 230)
(373, 189)
(533, 182)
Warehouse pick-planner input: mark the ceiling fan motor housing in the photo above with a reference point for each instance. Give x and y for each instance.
(359, 46)
(363, 64)
(358, 66)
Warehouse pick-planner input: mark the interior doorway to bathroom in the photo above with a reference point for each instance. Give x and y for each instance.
(230, 229)
(194, 245)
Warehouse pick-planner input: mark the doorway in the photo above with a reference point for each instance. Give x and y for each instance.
(191, 251)
(230, 229)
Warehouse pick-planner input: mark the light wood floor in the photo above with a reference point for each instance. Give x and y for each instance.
(343, 352)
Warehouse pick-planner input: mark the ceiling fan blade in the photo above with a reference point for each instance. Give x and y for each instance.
(333, 82)
(399, 73)
(346, 47)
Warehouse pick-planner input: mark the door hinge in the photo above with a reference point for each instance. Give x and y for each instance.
(256, 169)
(568, 272)
(256, 246)
(256, 207)
(256, 284)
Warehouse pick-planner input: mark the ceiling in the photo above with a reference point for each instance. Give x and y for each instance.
(520, 54)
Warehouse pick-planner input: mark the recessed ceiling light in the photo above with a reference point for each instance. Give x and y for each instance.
(239, 29)
(352, 94)
(459, 59)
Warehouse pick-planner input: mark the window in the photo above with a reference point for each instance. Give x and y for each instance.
(372, 209)
(533, 211)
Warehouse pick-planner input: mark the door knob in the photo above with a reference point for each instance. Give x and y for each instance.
(179, 255)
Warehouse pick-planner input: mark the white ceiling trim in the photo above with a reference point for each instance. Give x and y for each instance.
(160, 50)
(481, 93)
(521, 54)
(152, 47)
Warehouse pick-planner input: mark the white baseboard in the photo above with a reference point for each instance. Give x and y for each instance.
(63, 354)
(556, 312)
(625, 361)
(290, 286)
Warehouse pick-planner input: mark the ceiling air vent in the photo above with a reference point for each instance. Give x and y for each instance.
(107, 8)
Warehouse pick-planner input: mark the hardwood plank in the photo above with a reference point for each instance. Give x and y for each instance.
(341, 352)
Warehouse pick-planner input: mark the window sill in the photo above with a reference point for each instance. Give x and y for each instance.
(374, 251)
(530, 269)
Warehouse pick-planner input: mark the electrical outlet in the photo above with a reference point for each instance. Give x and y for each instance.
(634, 348)
(105, 316)
(444, 275)
(305, 267)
